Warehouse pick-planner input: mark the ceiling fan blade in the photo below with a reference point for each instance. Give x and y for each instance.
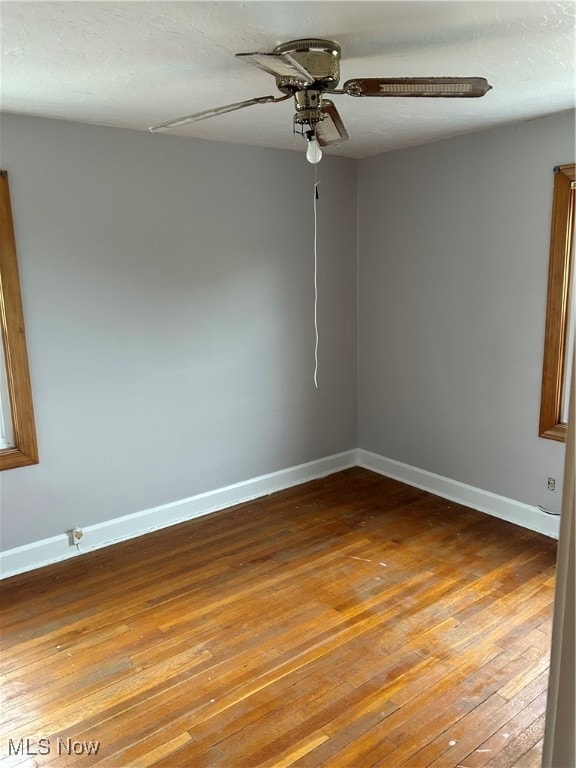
(217, 111)
(330, 130)
(279, 65)
(415, 87)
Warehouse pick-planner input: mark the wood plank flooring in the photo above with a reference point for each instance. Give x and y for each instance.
(352, 621)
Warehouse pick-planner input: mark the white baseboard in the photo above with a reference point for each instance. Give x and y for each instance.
(498, 506)
(56, 548)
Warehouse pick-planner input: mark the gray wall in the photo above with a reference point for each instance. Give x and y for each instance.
(168, 296)
(453, 262)
(168, 300)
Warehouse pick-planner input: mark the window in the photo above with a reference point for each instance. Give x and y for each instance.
(561, 310)
(18, 433)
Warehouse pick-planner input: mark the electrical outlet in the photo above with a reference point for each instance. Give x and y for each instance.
(74, 536)
(551, 483)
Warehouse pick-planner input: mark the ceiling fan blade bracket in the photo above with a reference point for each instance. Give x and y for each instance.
(352, 88)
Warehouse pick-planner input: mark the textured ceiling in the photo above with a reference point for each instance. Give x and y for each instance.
(136, 64)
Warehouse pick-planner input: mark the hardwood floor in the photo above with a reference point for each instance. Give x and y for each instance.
(352, 621)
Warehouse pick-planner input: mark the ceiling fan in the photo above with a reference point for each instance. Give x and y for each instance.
(310, 68)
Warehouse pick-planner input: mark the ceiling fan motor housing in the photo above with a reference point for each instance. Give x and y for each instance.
(321, 58)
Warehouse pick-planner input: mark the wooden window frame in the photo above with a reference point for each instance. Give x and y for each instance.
(559, 278)
(25, 449)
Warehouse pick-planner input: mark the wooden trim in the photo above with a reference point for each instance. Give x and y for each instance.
(551, 425)
(13, 337)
